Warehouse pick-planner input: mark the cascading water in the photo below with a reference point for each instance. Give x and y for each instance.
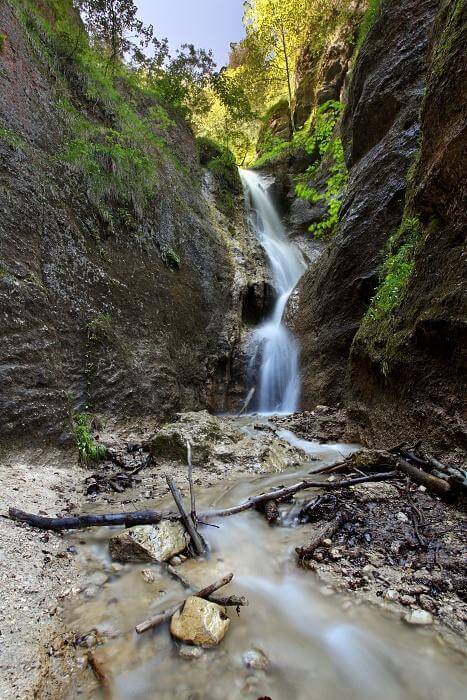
(274, 349)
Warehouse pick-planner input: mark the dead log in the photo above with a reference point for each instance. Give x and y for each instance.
(326, 532)
(158, 619)
(196, 539)
(141, 517)
(287, 491)
(432, 483)
(101, 675)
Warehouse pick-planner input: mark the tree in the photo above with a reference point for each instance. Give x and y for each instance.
(114, 24)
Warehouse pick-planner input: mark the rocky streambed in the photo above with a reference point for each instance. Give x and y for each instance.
(305, 629)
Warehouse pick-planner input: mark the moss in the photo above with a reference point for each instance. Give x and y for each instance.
(2, 42)
(172, 259)
(220, 161)
(368, 20)
(11, 138)
(451, 36)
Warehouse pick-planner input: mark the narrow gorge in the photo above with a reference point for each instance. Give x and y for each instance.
(233, 322)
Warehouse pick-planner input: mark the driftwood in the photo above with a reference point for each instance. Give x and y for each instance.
(151, 517)
(229, 601)
(101, 675)
(190, 481)
(432, 483)
(138, 517)
(287, 491)
(196, 539)
(158, 619)
(326, 532)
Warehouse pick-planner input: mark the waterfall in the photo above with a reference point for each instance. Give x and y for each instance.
(274, 350)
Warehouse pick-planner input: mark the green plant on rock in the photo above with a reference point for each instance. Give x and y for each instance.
(396, 269)
(172, 259)
(89, 450)
(2, 42)
(323, 143)
(9, 137)
(368, 20)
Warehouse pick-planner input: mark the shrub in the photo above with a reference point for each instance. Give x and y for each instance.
(89, 450)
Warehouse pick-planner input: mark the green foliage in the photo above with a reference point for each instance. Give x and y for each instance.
(2, 42)
(396, 270)
(368, 20)
(172, 259)
(322, 144)
(11, 138)
(89, 450)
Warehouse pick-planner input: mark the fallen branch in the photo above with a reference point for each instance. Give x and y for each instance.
(229, 601)
(247, 402)
(158, 619)
(141, 517)
(190, 481)
(196, 539)
(270, 510)
(432, 483)
(101, 675)
(326, 532)
(287, 491)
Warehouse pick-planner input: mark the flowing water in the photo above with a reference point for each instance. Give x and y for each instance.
(273, 347)
(317, 647)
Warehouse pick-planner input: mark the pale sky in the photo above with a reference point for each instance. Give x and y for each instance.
(208, 24)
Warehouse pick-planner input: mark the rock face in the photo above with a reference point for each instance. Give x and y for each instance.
(381, 132)
(200, 622)
(149, 542)
(126, 309)
(221, 444)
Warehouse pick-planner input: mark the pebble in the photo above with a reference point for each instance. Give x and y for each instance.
(335, 553)
(255, 658)
(418, 617)
(327, 542)
(402, 517)
(391, 594)
(175, 561)
(188, 652)
(148, 575)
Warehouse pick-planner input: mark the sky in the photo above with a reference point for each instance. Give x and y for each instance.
(208, 24)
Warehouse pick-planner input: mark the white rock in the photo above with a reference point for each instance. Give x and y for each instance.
(200, 622)
(419, 617)
(402, 517)
(149, 542)
(255, 658)
(187, 652)
(391, 594)
(148, 575)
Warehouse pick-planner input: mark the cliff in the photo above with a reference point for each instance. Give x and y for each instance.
(381, 316)
(120, 289)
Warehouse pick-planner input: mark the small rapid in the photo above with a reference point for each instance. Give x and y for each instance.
(274, 353)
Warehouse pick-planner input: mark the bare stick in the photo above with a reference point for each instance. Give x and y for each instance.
(229, 601)
(173, 572)
(326, 532)
(141, 517)
(163, 616)
(190, 481)
(187, 520)
(432, 483)
(287, 491)
(101, 675)
(247, 401)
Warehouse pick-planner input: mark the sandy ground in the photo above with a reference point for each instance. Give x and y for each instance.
(37, 572)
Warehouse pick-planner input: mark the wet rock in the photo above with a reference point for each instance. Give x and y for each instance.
(98, 578)
(402, 517)
(418, 617)
(149, 542)
(148, 575)
(200, 622)
(219, 443)
(189, 652)
(256, 658)
(391, 595)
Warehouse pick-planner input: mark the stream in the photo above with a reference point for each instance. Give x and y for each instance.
(319, 645)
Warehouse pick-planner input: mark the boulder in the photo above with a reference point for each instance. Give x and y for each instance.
(200, 622)
(149, 542)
